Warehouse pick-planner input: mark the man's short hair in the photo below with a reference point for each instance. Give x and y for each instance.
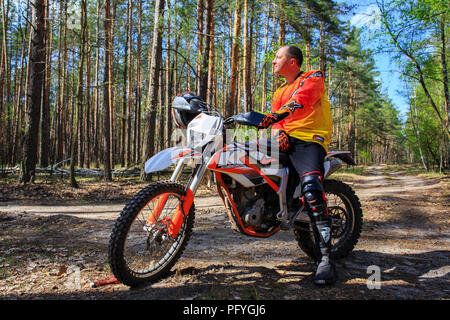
(296, 53)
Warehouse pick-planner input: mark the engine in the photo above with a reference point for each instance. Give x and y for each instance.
(257, 206)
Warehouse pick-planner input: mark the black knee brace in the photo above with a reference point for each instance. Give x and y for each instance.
(313, 194)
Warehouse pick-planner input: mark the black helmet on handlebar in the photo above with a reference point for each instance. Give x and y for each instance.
(185, 107)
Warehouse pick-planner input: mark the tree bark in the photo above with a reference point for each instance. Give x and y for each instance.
(281, 43)
(62, 61)
(442, 24)
(107, 92)
(137, 112)
(96, 129)
(200, 43)
(247, 60)
(124, 152)
(19, 104)
(210, 50)
(153, 87)
(230, 108)
(419, 143)
(322, 57)
(168, 78)
(128, 151)
(264, 75)
(32, 114)
(4, 54)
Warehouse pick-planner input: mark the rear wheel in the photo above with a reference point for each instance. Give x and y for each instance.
(144, 246)
(346, 216)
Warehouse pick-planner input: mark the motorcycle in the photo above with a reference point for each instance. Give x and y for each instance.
(258, 186)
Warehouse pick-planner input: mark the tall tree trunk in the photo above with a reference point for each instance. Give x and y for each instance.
(113, 133)
(32, 114)
(153, 87)
(45, 106)
(107, 92)
(230, 108)
(96, 131)
(126, 92)
(18, 120)
(168, 77)
(322, 57)
(200, 44)
(137, 112)
(80, 91)
(264, 75)
(72, 125)
(161, 108)
(89, 111)
(5, 70)
(210, 50)
(62, 58)
(208, 39)
(128, 154)
(247, 61)
(4, 54)
(78, 119)
(351, 110)
(419, 143)
(446, 150)
(281, 42)
(307, 58)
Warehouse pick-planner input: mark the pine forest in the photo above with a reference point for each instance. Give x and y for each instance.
(90, 82)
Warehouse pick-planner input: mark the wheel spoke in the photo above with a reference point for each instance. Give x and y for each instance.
(147, 246)
(344, 209)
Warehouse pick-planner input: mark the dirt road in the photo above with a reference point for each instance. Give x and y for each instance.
(55, 251)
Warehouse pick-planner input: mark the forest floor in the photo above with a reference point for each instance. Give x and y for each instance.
(54, 243)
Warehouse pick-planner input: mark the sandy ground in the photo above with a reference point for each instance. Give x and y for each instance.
(54, 248)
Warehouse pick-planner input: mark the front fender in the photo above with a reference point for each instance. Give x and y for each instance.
(167, 157)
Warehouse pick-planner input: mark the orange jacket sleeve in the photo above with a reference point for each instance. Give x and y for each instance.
(306, 95)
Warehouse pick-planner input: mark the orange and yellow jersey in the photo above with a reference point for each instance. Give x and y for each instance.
(310, 118)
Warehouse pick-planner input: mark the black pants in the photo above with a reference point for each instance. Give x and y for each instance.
(307, 157)
(303, 156)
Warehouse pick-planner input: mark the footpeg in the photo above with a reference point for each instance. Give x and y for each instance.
(285, 225)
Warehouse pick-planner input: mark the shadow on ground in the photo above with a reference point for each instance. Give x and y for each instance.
(402, 276)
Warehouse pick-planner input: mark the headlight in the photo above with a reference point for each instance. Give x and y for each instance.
(203, 129)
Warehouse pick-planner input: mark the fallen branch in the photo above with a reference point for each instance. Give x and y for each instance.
(58, 170)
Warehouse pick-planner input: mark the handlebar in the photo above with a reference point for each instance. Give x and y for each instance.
(252, 119)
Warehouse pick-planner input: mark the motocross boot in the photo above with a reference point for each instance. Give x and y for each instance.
(326, 270)
(313, 194)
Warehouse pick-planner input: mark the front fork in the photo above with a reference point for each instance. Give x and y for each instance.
(173, 227)
(178, 170)
(197, 177)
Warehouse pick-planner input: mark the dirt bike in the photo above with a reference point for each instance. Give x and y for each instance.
(259, 188)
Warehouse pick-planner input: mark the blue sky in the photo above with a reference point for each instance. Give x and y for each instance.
(365, 16)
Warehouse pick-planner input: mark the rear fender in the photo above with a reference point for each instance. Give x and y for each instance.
(167, 157)
(334, 159)
(345, 156)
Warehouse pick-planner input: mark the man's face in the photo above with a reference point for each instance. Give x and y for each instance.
(282, 62)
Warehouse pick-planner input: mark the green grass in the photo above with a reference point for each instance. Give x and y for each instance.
(413, 169)
(352, 170)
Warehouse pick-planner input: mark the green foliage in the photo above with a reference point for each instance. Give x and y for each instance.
(416, 30)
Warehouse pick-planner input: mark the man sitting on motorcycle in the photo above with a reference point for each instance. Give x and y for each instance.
(301, 120)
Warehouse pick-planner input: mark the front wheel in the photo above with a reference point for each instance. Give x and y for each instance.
(346, 216)
(144, 245)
